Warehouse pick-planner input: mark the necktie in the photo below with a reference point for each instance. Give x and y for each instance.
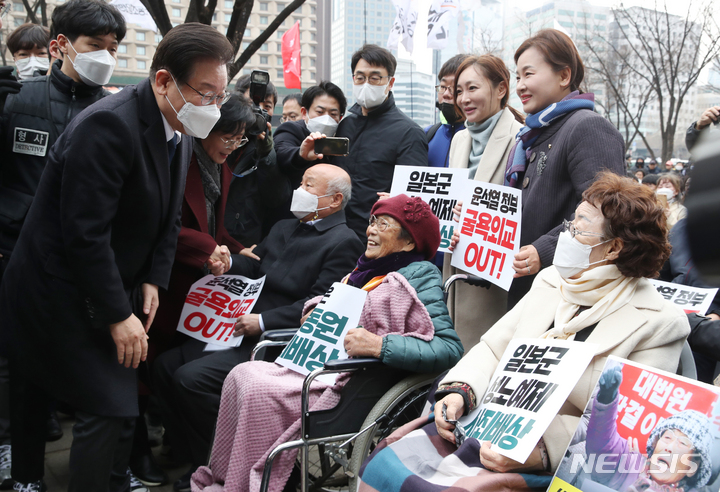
(172, 145)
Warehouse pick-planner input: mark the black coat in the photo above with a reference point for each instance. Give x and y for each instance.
(383, 139)
(564, 162)
(680, 267)
(105, 219)
(300, 262)
(258, 191)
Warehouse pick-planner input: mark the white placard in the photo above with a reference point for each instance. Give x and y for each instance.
(320, 339)
(213, 304)
(441, 188)
(531, 382)
(690, 299)
(135, 12)
(489, 232)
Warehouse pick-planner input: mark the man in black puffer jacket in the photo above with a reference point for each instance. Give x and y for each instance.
(36, 116)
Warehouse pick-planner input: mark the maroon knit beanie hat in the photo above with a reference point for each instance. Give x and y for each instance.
(415, 216)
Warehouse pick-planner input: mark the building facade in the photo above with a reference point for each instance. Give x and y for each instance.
(137, 49)
(415, 93)
(354, 23)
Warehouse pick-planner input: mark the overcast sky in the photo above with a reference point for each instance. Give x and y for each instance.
(423, 56)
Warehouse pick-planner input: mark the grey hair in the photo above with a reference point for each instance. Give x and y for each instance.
(340, 184)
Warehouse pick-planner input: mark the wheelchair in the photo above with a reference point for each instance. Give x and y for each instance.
(375, 401)
(334, 443)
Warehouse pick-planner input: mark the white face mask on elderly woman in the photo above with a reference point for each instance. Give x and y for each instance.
(304, 203)
(572, 256)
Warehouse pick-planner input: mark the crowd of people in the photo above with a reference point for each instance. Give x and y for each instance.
(112, 206)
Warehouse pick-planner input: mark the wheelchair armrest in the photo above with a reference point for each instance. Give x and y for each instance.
(279, 335)
(467, 278)
(352, 364)
(273, 338)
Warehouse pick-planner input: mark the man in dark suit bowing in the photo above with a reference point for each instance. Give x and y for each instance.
(300, 259)
(81, 290)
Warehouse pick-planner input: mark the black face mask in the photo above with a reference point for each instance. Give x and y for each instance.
(448, 111)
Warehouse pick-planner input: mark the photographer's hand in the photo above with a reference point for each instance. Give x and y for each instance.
(265, 142)
(307, 147)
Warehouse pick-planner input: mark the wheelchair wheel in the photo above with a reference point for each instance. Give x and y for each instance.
(403, 403)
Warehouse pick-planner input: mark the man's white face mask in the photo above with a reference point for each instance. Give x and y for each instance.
(304, 203)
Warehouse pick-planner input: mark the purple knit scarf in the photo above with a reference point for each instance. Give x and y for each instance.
(368, 269)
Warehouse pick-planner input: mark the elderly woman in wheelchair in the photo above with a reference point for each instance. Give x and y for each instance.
(404, 323)
(597, 292)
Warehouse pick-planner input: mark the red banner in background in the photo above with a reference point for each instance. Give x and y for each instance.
(646, 397)
(291, 57)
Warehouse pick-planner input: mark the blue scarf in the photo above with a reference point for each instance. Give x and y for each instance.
(535, 124)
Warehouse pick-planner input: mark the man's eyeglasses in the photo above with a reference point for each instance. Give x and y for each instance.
(440, 89)
(374, 79)
(211, 98)
(5, 8)
(569, 226)
(234, 144)
(380, 224)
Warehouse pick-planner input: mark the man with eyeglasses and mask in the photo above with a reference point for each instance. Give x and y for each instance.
(440, 134)
(81, 289)
(300, 258)
(381, 136)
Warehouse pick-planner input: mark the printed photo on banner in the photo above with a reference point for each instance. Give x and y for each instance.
(644, 430)
(690, 299)
(531, 382)
(321, 337)
(489, 232)
(213, 304)
(439, 188)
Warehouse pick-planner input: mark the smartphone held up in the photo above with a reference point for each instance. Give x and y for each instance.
(332, 146)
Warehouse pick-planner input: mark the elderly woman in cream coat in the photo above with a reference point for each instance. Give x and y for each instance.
(596, 291)
(481, 93)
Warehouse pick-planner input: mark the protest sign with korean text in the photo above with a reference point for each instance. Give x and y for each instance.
(213, 304)
(690, 299)
(489, 232)
(320, 339)
(610, 448)
(440, 188)
(531, 382)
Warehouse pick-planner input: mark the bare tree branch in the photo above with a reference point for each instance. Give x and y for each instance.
(257, 42)
(653, 57)
(31, 16)
(203, 10)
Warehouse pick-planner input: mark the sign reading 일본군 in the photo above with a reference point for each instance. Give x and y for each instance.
(531, 382)
(489, 232)
(213, 304)
(440, 188)
(320, 339)
(690, 299)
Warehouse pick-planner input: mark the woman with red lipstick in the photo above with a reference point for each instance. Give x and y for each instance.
(481, 92)
(558, 153)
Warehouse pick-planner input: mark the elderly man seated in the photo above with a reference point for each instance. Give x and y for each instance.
(300, 259)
